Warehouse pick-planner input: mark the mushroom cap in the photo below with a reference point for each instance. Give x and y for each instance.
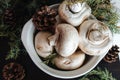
(65, 40)
(95, 37)
(72, 17)
(69, 63)
(42, 45)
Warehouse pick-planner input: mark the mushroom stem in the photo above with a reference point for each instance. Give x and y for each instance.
(53, 39)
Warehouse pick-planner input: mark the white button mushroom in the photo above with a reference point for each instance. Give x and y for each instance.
(95, 37)
(74, 14)
(41, 44)
(65, 40)
(69, 63)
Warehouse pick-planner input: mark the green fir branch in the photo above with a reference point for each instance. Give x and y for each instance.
(98, 74)
(14, 50)
(5, 4)
(104, 11)
(49, 59)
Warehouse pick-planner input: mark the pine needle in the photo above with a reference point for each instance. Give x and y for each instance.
(49, 59)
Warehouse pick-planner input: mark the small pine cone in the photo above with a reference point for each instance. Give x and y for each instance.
(112, 54)
(44, 18)
(9, 17)
(13, 71)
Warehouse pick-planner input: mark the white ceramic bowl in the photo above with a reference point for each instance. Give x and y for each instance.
(28, 41)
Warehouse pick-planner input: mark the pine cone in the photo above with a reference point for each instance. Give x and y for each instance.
(13, 71)
(44, 18)
(9, 17)
(112, 54)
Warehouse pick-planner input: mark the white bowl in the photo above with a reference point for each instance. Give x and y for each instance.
(28, 41)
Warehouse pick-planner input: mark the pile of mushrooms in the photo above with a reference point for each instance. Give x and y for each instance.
(74, 37)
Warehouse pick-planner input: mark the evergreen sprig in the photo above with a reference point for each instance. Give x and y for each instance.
(13, 33)
(104, 11)
(49, 59)
(4, 4)
(15, 41)
(98, 74)
(14, 50)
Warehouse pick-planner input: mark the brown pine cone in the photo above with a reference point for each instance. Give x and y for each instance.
(13, 71)
(9, 17)
(112, 54)
(44, 18)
